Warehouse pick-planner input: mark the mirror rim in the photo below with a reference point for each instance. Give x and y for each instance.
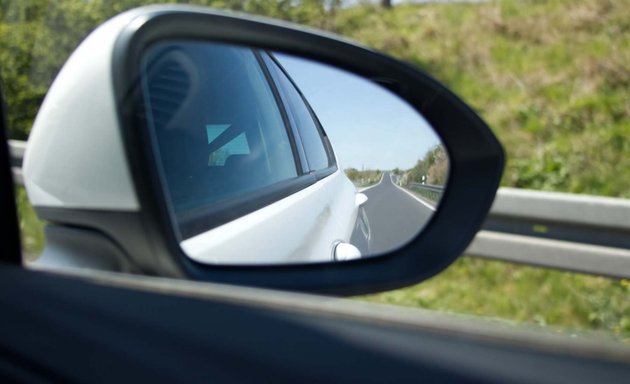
(476, 157)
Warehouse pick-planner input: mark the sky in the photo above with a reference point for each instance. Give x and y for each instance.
(368, 126)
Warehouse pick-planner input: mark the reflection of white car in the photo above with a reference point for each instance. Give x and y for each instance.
(244, 162)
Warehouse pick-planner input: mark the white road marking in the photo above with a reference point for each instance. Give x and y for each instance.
(416, 197)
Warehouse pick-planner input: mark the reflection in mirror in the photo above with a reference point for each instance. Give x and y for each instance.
(267, 158)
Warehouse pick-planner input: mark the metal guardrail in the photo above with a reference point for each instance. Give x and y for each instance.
(428, 187)
(581, 233)
(433, 192)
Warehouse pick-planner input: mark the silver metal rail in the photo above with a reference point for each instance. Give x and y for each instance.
(432, 192)
(581, 233)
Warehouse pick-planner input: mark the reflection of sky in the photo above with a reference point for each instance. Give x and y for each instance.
(369, 127)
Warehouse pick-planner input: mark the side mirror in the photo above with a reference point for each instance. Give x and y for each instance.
(191, 143)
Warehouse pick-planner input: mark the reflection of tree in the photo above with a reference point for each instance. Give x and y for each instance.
(431, 169)
(363, 178)
(438, 171)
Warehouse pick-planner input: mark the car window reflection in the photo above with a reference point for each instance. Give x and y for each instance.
(219, 130)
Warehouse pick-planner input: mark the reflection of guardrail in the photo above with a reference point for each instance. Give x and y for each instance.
(431, 192)
(589, 234)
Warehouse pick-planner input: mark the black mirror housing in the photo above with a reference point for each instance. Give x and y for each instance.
(147, 236)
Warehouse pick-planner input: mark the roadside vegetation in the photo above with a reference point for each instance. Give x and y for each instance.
(568, 301)
(551, 78)
(431, 169)
(364, 178)
(31, 228)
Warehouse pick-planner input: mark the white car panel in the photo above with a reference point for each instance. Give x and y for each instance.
(75, 156)
(302, 227)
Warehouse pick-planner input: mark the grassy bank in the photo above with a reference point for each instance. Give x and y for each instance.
(522, 294)
(551, 78)
(365, 178)
(31, 228)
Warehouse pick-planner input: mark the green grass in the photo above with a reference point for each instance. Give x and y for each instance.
(552, 78)
(522, 294)
(31, 228)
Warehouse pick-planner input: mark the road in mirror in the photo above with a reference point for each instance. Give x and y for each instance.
(267, 158)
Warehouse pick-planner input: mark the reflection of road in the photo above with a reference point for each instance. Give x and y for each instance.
(394, 215)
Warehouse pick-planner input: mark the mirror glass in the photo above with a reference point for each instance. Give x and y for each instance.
(268, 158)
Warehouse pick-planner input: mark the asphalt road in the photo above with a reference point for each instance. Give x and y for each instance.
(395, 216)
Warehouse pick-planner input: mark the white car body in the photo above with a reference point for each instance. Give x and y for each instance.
(75, 156)
(75, 159)
(303, 227)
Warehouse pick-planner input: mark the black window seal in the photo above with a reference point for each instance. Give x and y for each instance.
(202, 219)
(290, 112)
(323, 173)
(332, 160)
(299, 155)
